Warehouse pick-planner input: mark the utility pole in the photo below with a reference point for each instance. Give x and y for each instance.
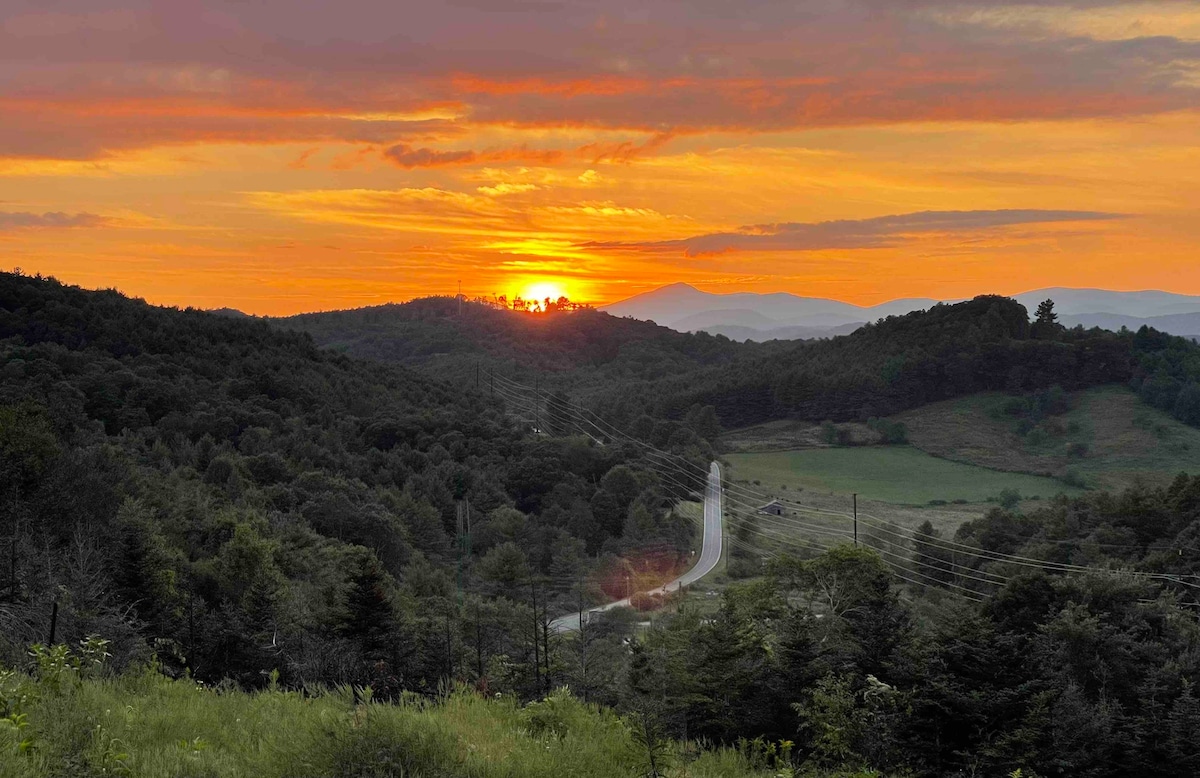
(449, 651)
(53, 623)
(581, 609)
(537, 403)
(583, 652)
(459, 298)
(856, 519)
(537, 656)
(478, 640)
(458, 509)
(12, 542)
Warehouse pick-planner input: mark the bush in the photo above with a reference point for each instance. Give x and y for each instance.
(890, 432)
(1073, 478)
(1009, 498)
(740, 568)
(557, 715)
(1015, 406)
(1077, 450)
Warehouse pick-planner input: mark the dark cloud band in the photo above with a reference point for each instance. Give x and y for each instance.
(879, 232)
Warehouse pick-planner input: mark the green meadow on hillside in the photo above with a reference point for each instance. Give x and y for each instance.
(893, 474)
(1107, 436)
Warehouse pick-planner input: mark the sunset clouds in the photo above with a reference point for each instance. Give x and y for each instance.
(618, 145)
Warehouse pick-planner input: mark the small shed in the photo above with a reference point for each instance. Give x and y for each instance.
(774, 508)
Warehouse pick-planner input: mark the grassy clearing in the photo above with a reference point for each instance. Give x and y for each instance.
(1125, 440)
(147, 725)
(893, 474)
(789, 434)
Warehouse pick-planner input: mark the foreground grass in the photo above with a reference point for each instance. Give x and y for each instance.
(147, 725)
(893, 474)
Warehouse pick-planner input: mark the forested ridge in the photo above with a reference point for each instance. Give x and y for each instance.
(903, 362)
(579, 347)
(230, 497)
(627, 368)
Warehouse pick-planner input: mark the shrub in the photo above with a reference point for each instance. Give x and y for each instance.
(1073, 478)
(1015, 406)
(1009, 498)
(890, 432)
(740, 568)
(555, 716)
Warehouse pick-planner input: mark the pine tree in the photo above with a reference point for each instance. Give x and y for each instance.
(1045, 313)
(1045, 325)
(370, 620)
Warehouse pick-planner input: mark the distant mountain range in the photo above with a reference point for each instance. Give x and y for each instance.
(784, 316)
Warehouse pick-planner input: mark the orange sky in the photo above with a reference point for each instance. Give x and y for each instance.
(282, 157)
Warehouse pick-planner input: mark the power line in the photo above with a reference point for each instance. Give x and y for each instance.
(740, 495)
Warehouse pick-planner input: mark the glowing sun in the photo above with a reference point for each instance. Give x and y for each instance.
(540, 290)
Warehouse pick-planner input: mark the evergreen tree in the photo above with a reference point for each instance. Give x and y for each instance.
(1045, 325)
(370, 618)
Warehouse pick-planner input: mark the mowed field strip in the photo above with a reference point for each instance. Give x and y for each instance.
(894, 474)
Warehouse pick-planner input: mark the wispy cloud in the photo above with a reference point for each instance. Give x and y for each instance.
(879, 232)
(18, 220)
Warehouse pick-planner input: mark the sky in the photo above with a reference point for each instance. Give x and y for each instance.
(280, 156)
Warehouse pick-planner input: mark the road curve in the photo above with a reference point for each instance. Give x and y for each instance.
(710, 554)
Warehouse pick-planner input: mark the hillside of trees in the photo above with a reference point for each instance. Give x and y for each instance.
(903, 362)
(453, 340)
(228, 496)
(627, 369)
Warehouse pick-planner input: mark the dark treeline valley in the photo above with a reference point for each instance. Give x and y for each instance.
(229, 497)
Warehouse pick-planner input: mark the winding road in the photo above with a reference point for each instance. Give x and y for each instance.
(710, 554)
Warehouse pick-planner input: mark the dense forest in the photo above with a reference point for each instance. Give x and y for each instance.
(233, 499)
(225, 501)
(903, 362)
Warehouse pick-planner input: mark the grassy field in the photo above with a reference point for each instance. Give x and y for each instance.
(1125, 440)
(892, 474)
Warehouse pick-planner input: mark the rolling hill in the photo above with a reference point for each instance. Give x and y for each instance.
(762, 317)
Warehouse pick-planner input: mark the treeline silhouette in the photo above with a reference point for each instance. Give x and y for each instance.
(443, 334)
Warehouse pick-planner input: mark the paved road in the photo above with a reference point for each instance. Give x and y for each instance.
(710, 554)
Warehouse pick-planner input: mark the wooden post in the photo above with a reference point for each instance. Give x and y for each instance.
(53, 623)
(856, 519)
(537, 658)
